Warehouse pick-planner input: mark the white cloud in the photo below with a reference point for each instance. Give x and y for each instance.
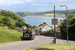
(17, 2)
(29, 0)
(39, 4)
(11, 2)
(61, 0)
(36, 4)
(71, 6)
(65, 0)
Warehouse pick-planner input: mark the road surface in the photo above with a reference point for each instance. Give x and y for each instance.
(26, 44)
(39, 40)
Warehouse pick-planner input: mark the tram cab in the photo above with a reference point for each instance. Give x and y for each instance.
(28, 34)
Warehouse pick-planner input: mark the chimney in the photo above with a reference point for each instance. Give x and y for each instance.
(41, 24)
(44, 23)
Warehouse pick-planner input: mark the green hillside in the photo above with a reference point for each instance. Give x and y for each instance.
(25, 13)
(11, 19)
(58, 13)
(9, 35)
(10, 24)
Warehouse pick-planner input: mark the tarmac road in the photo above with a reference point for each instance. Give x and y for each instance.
(20, 45)
(39, 40)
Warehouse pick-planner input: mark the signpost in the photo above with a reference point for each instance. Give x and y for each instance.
(55, 21)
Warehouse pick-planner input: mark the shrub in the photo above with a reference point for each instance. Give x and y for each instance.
(12, 27)
(11, 19)
(19, 24)
(51, 30)
(71, 28)
(6, 20)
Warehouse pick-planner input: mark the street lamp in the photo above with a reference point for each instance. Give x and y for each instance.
(66, 18)
(66, 8)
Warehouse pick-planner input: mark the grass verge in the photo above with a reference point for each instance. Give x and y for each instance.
(9, 35)
(57, 46)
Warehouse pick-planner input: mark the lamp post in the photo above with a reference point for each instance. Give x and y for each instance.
(66, 18)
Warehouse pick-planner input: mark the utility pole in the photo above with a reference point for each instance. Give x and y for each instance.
(54, 28)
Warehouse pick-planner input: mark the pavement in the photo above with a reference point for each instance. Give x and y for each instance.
(65, 41)
(39, 40)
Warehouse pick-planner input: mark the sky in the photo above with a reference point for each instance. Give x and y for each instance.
(35, 5)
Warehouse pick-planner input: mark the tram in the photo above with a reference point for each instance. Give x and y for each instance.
(28, 34)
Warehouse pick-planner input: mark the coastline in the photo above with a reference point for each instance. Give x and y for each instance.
(46, 17)
(38, 20)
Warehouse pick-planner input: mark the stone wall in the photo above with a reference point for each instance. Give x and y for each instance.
(58, 34)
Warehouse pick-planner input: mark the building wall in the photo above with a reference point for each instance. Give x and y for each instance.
(46, 28)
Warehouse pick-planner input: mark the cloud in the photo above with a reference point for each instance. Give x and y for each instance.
(61, 0)
(29, 0)
(65, 0)
(39, 4)
(17, 2)
(11, 2)
(70, 6)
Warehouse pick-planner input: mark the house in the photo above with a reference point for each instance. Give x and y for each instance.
(43, 27)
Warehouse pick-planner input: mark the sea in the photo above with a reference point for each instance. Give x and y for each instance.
(38, 20)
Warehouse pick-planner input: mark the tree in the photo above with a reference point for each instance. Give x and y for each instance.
(11, 19)
(6, 20)
(71, 28)
(33, 26)
(19, 24)
(28, 25)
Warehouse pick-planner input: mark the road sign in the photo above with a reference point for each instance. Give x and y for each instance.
(54, 21)
(67, 24)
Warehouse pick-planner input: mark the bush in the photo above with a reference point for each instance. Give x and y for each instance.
(44, 31)
(33, 27)
(28, 25)
(11, 19)
(19, 24)
(12, 27)
(6, 20)
(71, 28)
(51, 30)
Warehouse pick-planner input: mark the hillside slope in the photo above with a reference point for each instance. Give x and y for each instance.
(25, 13)
(7, 35)
(58, 13)
(10, 19)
